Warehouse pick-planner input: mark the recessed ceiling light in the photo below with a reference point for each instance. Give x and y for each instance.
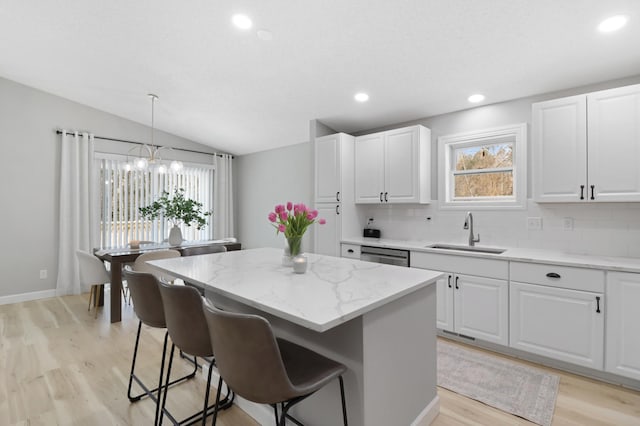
(242, 21)
(474, 99)
(361, 97)
(612, 24)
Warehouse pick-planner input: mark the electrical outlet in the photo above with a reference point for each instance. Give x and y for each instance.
(43, 274)
(534, 223)
(567, 224)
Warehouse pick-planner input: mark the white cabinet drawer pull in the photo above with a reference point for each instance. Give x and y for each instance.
(553, 275)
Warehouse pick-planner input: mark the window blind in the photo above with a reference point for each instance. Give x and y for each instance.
(124, 191)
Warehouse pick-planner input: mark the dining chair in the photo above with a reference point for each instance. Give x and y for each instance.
(93, 273)
(188, 330)
(141, 265)
(264, 369)
(210, 248)
(147, 304)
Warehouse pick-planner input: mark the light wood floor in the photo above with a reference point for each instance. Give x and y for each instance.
(59, 365)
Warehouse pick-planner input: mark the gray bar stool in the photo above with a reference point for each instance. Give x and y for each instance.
(141, 265)
(264, 369)
(147, 304)
(188, 330)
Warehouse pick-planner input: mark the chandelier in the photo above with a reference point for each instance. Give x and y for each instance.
(149, 154)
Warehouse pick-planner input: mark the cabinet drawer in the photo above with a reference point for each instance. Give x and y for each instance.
(490, 268)
(558, 276)
(351, 251)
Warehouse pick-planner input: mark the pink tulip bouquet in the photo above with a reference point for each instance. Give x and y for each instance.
(293, 220)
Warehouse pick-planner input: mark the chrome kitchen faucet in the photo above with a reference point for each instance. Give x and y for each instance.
(468, 224)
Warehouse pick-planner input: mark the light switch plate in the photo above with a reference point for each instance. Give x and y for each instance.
(534, 223)
(567, 223)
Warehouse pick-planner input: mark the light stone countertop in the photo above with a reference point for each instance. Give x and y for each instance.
(332, 291)
(553, 257)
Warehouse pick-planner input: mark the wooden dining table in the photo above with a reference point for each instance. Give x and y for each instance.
(121, 256)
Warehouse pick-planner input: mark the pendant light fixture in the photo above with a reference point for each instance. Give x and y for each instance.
(149, 154)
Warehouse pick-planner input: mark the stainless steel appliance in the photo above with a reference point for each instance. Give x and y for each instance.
(385, 255)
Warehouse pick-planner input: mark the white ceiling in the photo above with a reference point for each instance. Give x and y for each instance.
(226, 88)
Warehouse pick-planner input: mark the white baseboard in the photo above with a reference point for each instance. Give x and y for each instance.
(429, 414)
(25, 297)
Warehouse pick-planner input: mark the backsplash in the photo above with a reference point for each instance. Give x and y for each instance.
(609, 229)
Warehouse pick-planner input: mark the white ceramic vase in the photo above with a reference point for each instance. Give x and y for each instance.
(175, 236)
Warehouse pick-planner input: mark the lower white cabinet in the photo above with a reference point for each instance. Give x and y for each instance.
(467, 304)
(327, 237)
(444, 303)
(352, 251)
(481, 307)
(560, 323)
(623, 324)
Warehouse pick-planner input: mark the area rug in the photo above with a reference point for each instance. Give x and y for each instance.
(527, 392)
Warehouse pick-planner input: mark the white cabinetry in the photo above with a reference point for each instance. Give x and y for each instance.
(352, 251)
(328, 173)
(393, 166)
(333, 189)
(558, 312)
(587, 147)
(472, 301)
(327, 236)
(623, 324)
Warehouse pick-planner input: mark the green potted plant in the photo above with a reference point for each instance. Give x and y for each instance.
(177, 209)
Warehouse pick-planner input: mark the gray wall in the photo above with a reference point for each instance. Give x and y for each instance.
(29, 176)
(263, 180)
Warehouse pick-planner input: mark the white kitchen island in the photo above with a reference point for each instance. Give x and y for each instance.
(379, 320)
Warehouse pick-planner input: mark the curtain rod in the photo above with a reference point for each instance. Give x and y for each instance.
(59, 132)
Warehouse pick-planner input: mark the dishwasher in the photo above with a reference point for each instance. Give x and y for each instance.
(385, 255)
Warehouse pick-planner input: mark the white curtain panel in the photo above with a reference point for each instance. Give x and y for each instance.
(77, 208)
(223, 197)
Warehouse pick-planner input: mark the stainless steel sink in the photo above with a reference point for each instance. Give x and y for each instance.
(474, 249)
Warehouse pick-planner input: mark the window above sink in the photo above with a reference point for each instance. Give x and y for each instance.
(483, 169)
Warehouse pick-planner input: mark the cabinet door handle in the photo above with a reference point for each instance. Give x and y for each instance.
(338, 209)
(449, 281)
(553, 275)
(592, 188)
(597, 304)
(338, 196)
(385, 197)
(457, 288)
(350, 251)
(582, 192)
(381, 197)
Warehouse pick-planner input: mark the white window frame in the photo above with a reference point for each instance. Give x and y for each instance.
(449, 143)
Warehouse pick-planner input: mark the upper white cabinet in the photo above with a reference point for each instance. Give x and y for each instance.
(560, 149)
(613, 118)
(328, 171)
(393, 166)
(623, 324)
(587, 147)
